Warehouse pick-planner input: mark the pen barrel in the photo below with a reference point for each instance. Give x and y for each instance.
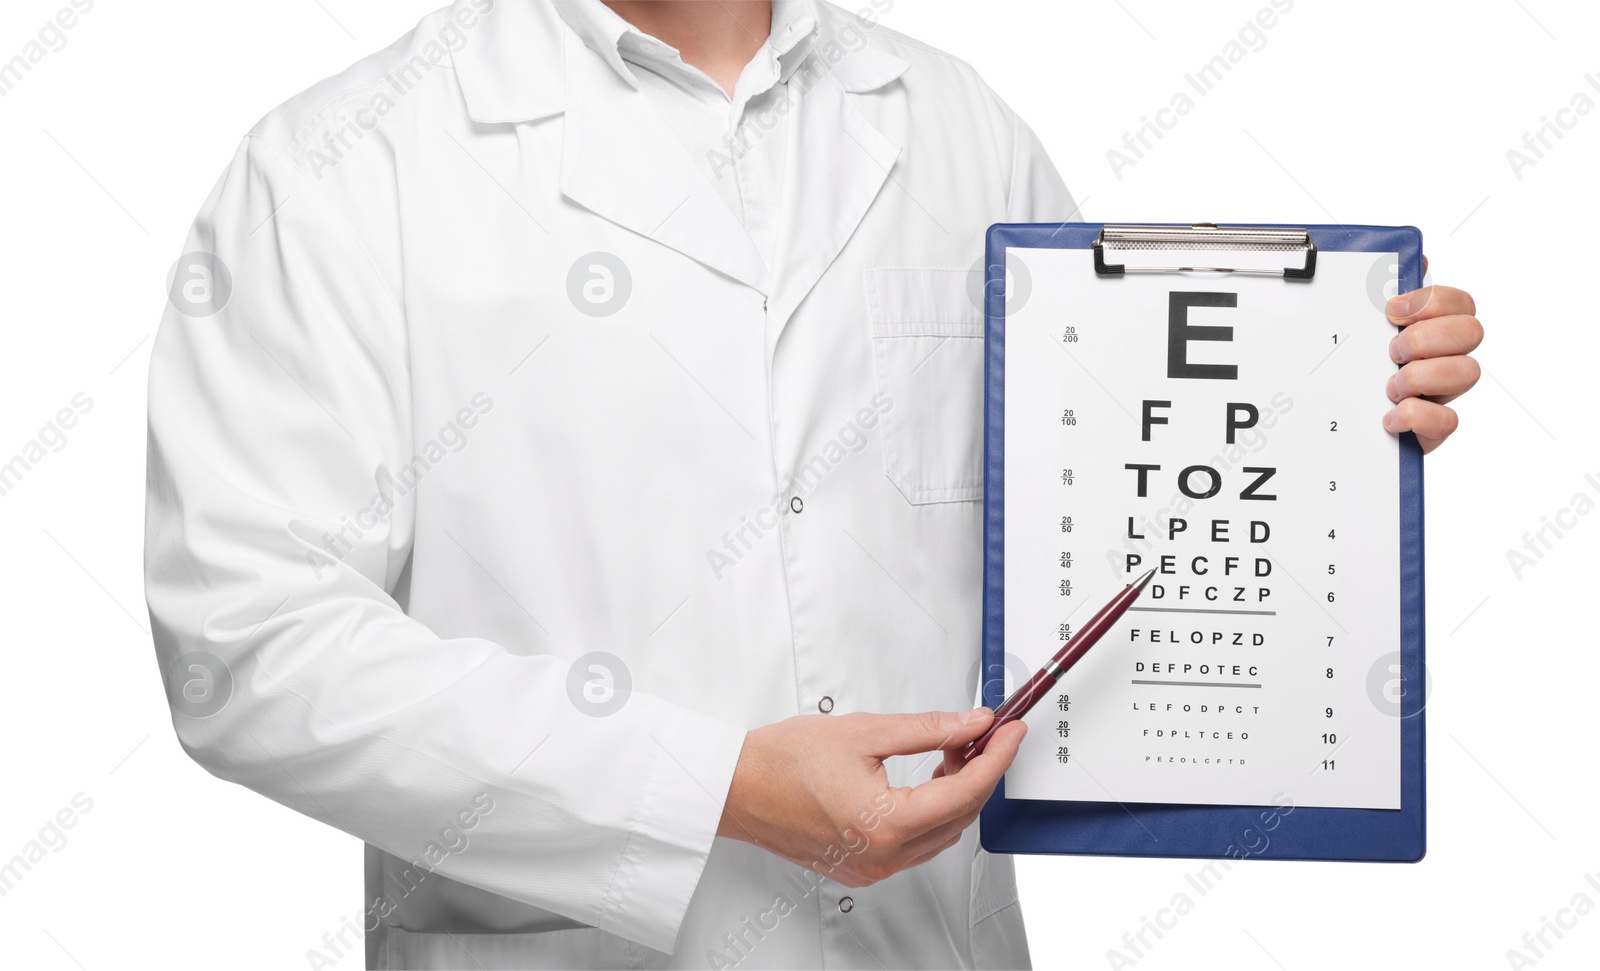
(1044, 680)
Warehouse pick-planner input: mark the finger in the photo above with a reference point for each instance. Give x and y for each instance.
(951, 764)
(1431, 421)
(938, 836)
(947, 844)
(954, 759)
(925, 731)
(1407, 308)
(843, 876)
(952, 796)
(1440, 379)
(1437, 337)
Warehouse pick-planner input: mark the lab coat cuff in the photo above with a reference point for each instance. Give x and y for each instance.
(677, 821)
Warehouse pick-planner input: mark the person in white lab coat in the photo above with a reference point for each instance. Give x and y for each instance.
(564, 476)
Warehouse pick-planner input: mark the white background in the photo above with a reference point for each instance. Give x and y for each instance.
(1355, 111)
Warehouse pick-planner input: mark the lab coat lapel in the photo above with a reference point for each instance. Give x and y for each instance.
(838, 163)
(622, 162)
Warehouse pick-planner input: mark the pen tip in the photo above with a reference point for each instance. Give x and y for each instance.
(1143, 581)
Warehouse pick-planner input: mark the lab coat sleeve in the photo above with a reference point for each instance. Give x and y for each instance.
(1037, 194)
(274, 423)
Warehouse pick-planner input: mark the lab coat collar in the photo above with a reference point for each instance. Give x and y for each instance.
(794, 30)
(843, 41)
(823, 204)
(601, 29)
(794, 25)
(512, 67)
(621, 161)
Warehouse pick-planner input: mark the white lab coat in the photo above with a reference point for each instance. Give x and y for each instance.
(405, 471)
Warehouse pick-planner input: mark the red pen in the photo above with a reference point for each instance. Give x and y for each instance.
(1024, 698)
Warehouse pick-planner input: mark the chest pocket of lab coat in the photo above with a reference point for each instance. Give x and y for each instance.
(927, 348)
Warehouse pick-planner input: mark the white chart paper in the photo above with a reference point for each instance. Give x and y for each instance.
(1260, 663)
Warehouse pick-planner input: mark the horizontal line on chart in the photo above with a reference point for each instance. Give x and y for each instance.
(1202, 684)
(1204, 610)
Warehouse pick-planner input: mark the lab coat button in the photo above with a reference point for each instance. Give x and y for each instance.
(846, 905)
(825, 705)
(797, 504)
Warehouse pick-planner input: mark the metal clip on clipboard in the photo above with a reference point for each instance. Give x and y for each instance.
(1204, 238)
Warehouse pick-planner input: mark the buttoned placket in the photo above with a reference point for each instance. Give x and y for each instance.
(752, 133)
(745, 139)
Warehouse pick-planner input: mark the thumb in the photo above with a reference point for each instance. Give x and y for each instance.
(924, 731)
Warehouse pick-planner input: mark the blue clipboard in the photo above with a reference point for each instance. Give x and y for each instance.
(1166, 830)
